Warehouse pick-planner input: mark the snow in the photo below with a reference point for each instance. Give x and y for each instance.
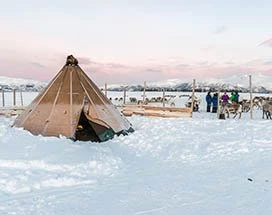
(17, 81)
(167, 166)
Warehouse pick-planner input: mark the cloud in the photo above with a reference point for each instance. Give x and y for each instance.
(38, 64)
(269, 62)
(115, 65)
(229, 63)
(267, 43)
(220, 29)
(84, 60)
(182, 65)
(208, 48)
(153, 70)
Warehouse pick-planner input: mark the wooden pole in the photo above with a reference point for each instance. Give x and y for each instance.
(218, 103)
(106, 88)
(125, 95)
(14, 97)
(163, 97)
(144, 92)
(250, 96)
(193, 95)
(3, 98)
(21, 95)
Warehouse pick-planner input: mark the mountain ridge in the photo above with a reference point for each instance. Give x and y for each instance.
(260, 84)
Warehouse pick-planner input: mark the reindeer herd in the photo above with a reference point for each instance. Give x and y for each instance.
(261, 103)
(133, 100)
(258, 102)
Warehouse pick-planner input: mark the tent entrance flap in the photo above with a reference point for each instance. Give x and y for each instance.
(85, 131)
(90, 131)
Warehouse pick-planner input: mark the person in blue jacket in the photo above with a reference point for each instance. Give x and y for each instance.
(214, 102)
(209, 101)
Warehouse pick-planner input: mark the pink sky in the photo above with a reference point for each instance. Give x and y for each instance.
(130, 43)
(114, 72)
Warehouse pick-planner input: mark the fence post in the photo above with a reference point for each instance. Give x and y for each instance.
(218, 103)
(14, 97)
(3, 98)
(106, 88)
(144, 92)
(163, 97)
(193, 96)
(125, 95)
(21, 96)
(250, 96)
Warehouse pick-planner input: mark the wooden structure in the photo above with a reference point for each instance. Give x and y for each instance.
(250, 95)
(154, 111)
(11, 111)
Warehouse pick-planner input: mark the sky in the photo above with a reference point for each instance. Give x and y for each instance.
(136, 41)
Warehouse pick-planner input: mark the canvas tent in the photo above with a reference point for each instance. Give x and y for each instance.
(74, 107)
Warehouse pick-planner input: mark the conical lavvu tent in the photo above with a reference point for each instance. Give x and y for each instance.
(74, 107)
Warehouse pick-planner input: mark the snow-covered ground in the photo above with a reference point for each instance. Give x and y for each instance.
(167, 166)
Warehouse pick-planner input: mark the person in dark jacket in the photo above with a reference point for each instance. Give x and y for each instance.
(209, 101)
(236, 97)
(214, 102)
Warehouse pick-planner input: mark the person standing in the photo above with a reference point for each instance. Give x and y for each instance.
(232, 97)
(209, 101)
(214, 103)
(225, 99)
(236, 97)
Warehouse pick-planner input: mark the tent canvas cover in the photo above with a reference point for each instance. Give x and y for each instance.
(73, 106)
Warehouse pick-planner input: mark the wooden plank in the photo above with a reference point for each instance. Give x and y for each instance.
(172, 109)
(11, 111)
(154, 111)
(156, 108)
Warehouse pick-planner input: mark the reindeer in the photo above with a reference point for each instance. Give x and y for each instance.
(257, 102)
(236, 109)
(132, 99)
(267, 109)
(153, 99)
(245, 105)
(195, 106)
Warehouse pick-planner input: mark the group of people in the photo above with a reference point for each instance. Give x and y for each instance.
(212, 100)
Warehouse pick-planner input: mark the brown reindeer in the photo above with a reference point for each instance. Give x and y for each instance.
(267, 109)
(236, 109)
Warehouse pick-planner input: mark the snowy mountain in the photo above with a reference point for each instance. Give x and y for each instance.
(260, 84)
(8, 84)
